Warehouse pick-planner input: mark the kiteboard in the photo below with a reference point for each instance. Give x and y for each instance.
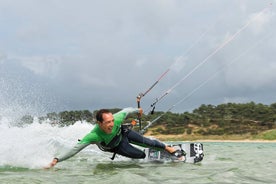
(191, 153)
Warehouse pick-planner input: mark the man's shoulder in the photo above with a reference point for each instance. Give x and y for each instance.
(92, 136)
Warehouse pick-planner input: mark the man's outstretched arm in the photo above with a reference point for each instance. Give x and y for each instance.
(77, 148)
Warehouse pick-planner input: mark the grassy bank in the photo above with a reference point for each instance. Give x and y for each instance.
(269, 135)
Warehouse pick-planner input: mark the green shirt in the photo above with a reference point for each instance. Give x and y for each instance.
(97, 136)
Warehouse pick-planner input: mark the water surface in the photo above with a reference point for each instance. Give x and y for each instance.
(25, 150)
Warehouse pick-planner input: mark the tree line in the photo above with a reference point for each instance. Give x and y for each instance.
(229, 118)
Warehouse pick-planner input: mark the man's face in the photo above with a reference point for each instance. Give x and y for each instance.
(108, 123)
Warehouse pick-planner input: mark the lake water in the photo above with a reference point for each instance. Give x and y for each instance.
(24, 151)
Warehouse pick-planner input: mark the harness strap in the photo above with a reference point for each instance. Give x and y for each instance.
(113, 156)
(119, 136)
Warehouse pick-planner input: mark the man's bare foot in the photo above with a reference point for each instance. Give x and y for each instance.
(177, 154)
(170, 149)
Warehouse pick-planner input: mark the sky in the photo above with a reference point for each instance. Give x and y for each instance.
(92, 54)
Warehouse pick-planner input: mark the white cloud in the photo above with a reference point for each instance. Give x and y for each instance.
(255, 73)
(87, 79)
(179, 63)
(45, 66)
(261, 20)
(97, 49)
(2, 57)
(140, 62)
(235, 100)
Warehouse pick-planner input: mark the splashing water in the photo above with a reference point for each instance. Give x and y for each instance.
(34, 145)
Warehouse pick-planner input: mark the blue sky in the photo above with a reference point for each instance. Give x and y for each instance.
(74, 55)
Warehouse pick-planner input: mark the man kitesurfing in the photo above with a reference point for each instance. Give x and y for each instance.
(110, 135)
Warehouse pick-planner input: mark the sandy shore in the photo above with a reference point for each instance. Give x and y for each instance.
(209, 139)
(246, 140)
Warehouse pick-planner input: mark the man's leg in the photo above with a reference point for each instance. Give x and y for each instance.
(127, 150)
(138, 139)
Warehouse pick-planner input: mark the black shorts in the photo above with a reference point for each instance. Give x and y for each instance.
(130, 136)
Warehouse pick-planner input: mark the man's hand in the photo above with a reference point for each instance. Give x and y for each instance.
(52, 164)
(140, 111)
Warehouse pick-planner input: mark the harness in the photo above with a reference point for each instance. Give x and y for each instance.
(112, 146)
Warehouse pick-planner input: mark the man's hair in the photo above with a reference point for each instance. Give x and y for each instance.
(99, 115)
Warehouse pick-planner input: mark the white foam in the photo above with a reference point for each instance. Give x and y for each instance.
(35, 145)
